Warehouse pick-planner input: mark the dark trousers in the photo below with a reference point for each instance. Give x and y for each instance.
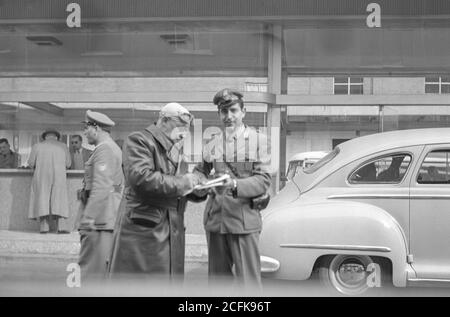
(61, 223)
(234, 251)
(94, 253)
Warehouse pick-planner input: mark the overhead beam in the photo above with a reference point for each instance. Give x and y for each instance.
(363, 100)
(5, 106)
(39, 98)
(46, 107)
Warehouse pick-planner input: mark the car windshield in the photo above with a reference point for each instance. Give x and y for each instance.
(323, 161)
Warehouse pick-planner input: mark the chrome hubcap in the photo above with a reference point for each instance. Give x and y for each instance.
(351, 273)
(348, 274)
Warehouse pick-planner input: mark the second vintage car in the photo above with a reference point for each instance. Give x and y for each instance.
(375, 209)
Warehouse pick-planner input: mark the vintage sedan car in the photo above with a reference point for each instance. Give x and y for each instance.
(375, 209)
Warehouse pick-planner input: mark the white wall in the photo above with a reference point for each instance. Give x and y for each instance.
(398, 86)
(372, 85)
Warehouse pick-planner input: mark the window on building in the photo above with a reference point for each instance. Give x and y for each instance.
(437, 84)
(435, 168)
(387, 169)
(348, 85)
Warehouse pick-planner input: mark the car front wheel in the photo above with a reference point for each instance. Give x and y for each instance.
(348, 274)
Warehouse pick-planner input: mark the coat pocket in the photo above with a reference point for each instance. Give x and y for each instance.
(107, 216)
(148, 217)
(252, 218)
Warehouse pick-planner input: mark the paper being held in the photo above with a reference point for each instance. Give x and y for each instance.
(214, 182)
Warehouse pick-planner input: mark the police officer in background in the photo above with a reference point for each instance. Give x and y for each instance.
(101, 196)
(150, 236)
(232, 219)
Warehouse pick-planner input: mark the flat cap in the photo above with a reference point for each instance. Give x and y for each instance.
(51, 131)
(100, 119)
(227, 97)
(175, 110)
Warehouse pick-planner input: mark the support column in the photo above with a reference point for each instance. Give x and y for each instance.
(380, 118)
(275, 57)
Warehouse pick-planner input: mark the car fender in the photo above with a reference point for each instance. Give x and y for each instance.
(298, 235)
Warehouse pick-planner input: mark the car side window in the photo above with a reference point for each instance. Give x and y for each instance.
(435, 168)
(387, 169)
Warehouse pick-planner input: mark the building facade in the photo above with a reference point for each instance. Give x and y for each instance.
(314, 73)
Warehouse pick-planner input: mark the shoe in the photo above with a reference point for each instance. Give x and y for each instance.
(63, 232)
(43, 232)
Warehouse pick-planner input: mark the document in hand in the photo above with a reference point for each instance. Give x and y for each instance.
(214, 182)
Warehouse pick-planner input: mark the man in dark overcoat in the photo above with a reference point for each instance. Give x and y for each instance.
(150, 233)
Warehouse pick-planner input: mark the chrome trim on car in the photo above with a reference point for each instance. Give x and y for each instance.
(428, 280)
(432, 196)
(368, 196)
(363, 248)
(388, 196)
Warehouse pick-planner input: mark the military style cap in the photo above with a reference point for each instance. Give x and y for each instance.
(51, 131)
(98, 119)
(175, 110)
(227, 98)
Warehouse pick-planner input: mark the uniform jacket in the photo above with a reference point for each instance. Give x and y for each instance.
(246, 157)
(104, 180)
(84, 152)
(49, 159)
(150, 234)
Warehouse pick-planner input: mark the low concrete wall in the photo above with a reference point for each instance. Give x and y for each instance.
(15, 187)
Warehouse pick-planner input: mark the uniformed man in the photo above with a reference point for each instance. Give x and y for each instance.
(101, 196)
(8, 158)
(78, 154)
(149, 241)
(232, 222)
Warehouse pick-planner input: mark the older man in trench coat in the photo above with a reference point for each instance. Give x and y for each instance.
(48, 196)
(149, 236)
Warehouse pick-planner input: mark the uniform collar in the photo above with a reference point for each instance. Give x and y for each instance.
(103, 142)
(244, 131)
(160, 137)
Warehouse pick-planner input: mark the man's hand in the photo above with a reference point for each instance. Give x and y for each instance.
(228, 183)
(193, 180)
(201, 192)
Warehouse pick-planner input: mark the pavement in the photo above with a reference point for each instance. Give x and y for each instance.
(32, 264)
(66, 247)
